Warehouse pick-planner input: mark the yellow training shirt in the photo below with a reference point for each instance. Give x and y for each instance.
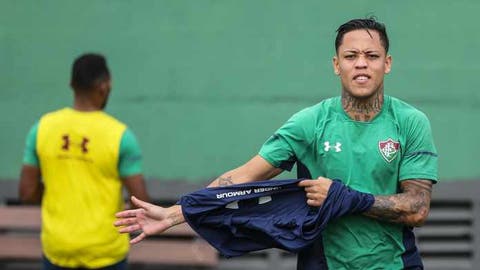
(78, 155)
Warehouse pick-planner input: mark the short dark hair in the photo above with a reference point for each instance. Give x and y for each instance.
(87, 70)
(368, 24)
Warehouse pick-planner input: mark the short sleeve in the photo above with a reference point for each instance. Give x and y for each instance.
(420, 159)
(290, 142)
(30, 156)
(130, 161)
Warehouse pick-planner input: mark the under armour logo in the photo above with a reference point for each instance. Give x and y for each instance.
(67, 142)
(337, 146)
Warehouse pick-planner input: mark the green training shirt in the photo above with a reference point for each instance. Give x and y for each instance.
(371, 157)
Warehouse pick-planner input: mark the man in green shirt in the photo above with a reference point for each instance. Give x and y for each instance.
(372, 142)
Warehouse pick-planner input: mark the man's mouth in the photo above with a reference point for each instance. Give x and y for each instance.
(361, 78)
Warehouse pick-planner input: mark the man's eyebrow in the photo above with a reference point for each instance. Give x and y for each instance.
(358, 51)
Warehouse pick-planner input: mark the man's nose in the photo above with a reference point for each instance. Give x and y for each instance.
(361, 62)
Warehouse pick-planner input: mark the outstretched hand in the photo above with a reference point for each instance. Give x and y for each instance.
(148, 218)
(316, 190)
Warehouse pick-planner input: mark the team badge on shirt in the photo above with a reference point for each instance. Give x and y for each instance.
(389, 149)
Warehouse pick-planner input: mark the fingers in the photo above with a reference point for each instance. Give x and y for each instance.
(306, 183)
(310, 189)
(138, 238)
(139, 203)
(314, 199)
(125, 222)
(312, 182)
(310, 195)
(316, 190)
(319, 182)
(130, 229)
(129, 213)
(314, 203)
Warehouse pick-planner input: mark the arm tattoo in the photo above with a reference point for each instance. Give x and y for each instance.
(410, 207)
(382, 209)
(176, 218)
(224, 181)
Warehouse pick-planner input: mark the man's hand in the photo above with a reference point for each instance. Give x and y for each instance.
(148, 218)
(316, 190)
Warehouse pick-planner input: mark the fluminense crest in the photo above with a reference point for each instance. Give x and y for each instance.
(389, 149)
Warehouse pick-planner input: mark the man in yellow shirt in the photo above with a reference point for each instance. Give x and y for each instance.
(75, 163)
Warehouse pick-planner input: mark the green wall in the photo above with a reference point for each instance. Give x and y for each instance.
(204, 83)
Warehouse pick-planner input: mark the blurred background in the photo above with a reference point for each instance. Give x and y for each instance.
(203, 83)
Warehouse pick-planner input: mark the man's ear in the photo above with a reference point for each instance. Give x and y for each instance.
(388, 64)
(104, 87)
(336, 68)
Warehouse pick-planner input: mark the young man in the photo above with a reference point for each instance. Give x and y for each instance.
(372, 142)
(75, 163)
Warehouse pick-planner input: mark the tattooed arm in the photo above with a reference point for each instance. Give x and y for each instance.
(410, 207)
(255, 169)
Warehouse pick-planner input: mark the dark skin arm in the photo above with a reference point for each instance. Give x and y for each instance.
(135, 185)
(30, 188)
(410, 207)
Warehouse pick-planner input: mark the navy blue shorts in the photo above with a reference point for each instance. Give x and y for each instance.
(122, 265)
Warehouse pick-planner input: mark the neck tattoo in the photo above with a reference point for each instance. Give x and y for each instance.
(362, 109)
